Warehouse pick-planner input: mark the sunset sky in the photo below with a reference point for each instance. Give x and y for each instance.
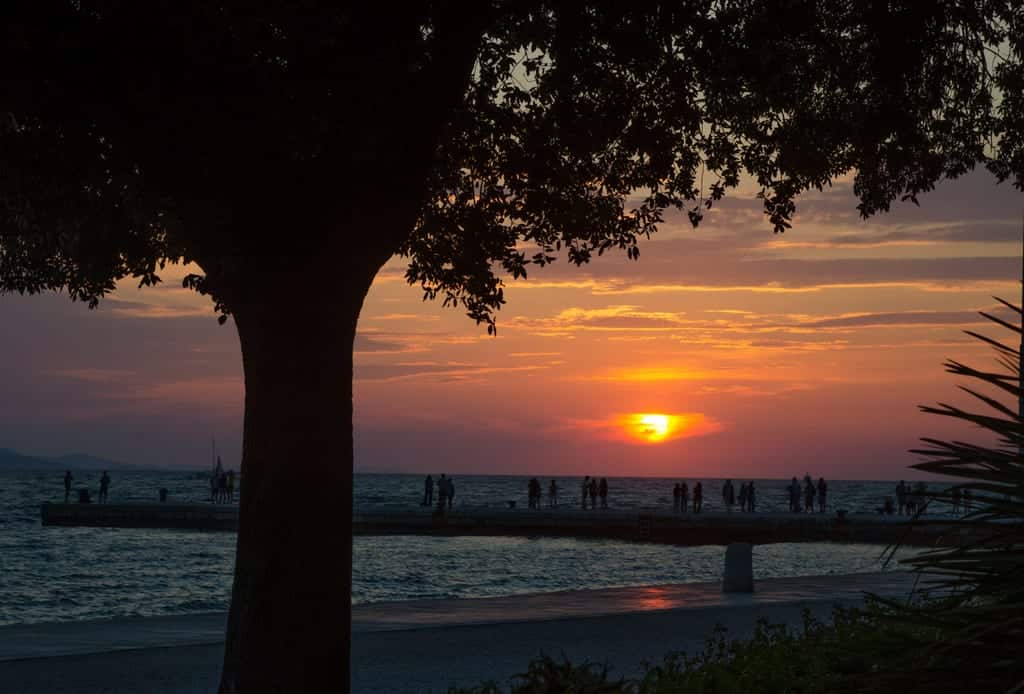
(769, 355)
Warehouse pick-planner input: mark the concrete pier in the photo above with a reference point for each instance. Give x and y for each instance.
(143, 515)
(647, 525)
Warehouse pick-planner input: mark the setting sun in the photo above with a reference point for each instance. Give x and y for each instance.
(652, 427)
(659, 427)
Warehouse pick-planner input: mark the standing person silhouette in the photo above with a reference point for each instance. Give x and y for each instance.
(104, 487)
(822, 494)
(585, 492)
(553, 494)
(675, 498)
(451, 492)
(698, 497)
(428, 491)
(593, 493)
(684, 498)
(603, 492)
(751, 497)
(67, 485)
(901, 498)
(442, 492)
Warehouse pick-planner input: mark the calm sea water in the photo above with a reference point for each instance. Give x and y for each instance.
(57, 574)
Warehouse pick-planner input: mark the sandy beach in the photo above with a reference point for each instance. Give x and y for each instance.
(428, 645)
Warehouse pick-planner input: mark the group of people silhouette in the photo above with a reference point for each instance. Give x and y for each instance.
(83, 492)
(808, 492)
(681, 497)
(445, 492)
(962, 500)
(804, 497)
(747, 496)
(534, 493)
(911, 500)
(591, 489)
(592, 492)
(222, 485)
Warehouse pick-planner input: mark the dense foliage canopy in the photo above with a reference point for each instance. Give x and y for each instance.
(246, 136)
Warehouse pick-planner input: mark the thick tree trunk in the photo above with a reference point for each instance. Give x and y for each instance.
(290, 619)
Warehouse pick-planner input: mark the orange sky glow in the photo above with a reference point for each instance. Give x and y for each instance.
(762, 355)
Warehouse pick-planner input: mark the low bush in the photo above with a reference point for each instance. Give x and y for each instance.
(866, 650)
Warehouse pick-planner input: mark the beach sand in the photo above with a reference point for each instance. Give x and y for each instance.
(427, 645)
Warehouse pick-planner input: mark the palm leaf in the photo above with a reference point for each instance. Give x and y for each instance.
(980, 582)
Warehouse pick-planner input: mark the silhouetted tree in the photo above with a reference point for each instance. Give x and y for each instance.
(289, 149)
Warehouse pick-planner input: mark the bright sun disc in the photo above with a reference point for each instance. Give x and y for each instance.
(652, 427)
(655, 424)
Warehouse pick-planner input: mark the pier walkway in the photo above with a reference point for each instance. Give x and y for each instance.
(650, 525)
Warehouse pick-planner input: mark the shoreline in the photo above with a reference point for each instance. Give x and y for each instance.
(55, 639)
(424, 645)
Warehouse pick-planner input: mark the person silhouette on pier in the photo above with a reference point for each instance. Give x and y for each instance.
(728, 495)
(533, 492)
(808, 494)
(684, 497)
(901, 497)
(428, 491)
(794, 496)
(68, 478)
(751, 497)
(442, 492)
(593, 493)
(603, 492)
(822, 494)
(698, 497)
(675, 497)
(104, 487)
(585, 492)
(553, 494)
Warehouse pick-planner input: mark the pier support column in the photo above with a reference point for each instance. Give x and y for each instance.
(738, 576)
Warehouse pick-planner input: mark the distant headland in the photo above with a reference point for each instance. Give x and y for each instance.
(12, 461)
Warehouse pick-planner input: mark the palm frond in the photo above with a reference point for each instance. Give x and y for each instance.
(980, 581)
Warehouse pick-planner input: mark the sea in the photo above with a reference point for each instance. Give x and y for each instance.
(55, 574)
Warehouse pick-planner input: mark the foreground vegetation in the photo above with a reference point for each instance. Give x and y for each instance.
(864, 651)
(962, 632)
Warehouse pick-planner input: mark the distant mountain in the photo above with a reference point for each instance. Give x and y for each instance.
(12, 460)
(84, 461)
